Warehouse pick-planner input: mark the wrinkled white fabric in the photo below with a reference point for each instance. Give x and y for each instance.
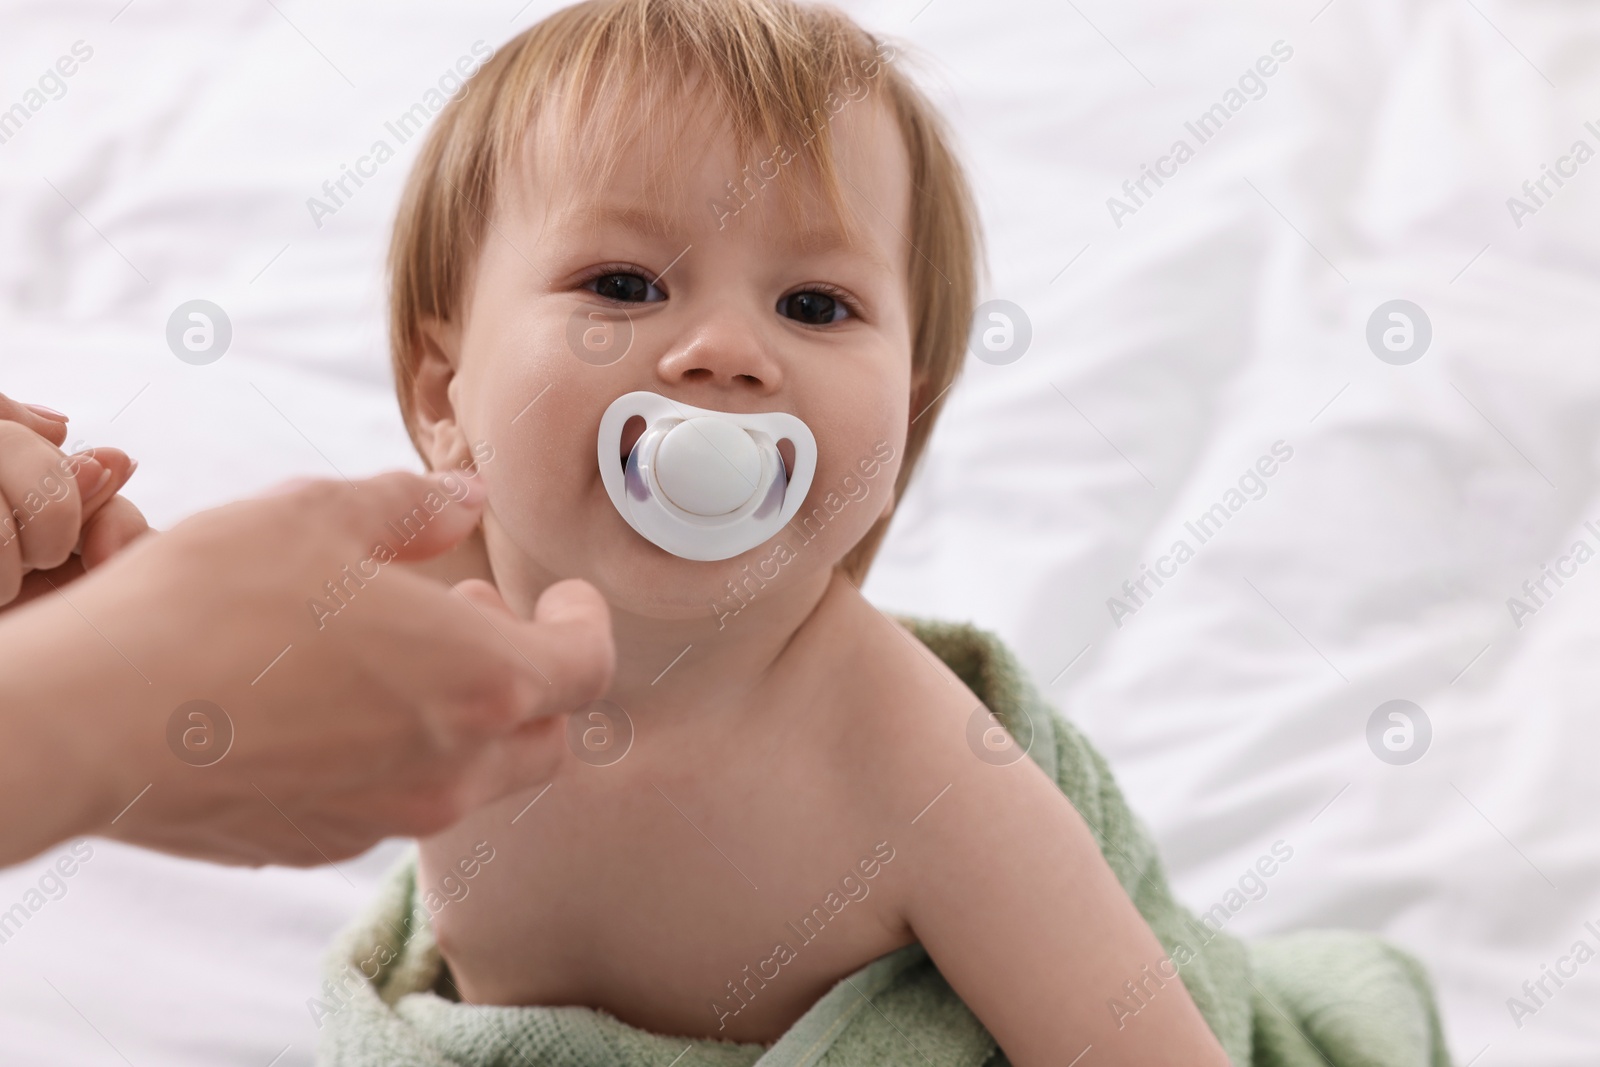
(1168, 355)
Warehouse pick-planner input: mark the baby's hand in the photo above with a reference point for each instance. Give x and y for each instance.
(59, 515)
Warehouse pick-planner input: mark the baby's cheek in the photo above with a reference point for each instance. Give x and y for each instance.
(847, 498)
(862, 458)
(543, 453)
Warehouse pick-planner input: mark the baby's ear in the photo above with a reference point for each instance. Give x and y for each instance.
(919, 396)
(432, 409)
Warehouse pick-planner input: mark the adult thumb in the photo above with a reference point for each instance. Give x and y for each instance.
(568, 641)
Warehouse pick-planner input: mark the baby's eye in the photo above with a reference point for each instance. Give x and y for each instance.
(813, 308)
(626, 287)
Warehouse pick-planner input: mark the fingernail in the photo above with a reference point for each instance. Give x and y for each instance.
(50, 413)
(90, 474)
(132, 467)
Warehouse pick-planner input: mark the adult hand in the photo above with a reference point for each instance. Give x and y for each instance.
(59, 514)
(347, 699)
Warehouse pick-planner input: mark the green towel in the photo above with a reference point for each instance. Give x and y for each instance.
(1310, 999)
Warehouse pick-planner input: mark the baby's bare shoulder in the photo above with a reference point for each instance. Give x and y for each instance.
(901, 718)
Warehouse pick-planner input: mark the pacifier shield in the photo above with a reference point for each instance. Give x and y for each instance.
(702, 484)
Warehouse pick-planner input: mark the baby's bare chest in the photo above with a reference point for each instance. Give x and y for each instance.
(698, 894)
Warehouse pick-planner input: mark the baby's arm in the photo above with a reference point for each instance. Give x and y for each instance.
(1018, 908)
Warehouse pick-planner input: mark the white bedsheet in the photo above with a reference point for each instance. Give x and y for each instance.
(1226, 313)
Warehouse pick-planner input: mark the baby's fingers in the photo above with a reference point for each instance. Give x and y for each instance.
(42, 506)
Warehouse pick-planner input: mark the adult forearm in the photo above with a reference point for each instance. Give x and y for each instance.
(59, 729)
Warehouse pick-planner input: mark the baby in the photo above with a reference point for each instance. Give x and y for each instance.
(744, 207)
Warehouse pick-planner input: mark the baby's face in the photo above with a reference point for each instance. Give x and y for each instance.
(740, 307)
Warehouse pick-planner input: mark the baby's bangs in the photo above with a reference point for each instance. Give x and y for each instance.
(591, 75)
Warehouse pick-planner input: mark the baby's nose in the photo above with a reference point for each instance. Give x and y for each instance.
(722, 352)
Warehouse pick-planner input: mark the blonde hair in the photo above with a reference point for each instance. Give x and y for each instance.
(774, 67)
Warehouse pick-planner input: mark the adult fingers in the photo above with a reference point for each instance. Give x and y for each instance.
(408, 808)
(568, 641)
(530, 756)
(46, 422)
(41, 486)
(107, 471)
(111, 524)
(475, 671)
(114, 525)
(435, 798)
(571, 629)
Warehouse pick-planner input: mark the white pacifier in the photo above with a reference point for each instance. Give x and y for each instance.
(704, 485)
